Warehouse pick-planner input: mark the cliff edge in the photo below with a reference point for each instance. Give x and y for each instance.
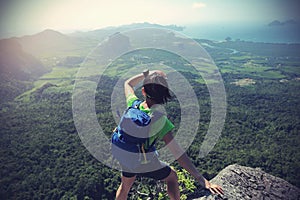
(241, 182)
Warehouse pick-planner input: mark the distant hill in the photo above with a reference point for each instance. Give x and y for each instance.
(279, 23)
(17, 69)
(147, 25)
(48, 42)
(53, 43)
(100, 34)
(20, 64)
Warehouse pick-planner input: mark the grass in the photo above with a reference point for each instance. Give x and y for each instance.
(291, 69)
(59, 76)
(247, 65)
(241, 58)
(61, 73)
(253, 69)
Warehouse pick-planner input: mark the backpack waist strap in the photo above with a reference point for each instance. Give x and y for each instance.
(124, 137)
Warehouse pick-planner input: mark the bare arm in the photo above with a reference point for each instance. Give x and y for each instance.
(131, 82)
(187, 164)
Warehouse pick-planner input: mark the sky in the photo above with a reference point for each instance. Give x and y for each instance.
(19, 17)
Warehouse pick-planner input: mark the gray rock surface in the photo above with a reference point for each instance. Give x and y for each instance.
(241, 182)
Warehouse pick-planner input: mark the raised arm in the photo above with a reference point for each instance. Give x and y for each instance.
(131, 83)
(187, 164)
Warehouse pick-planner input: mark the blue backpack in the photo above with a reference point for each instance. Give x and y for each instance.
(131, 137)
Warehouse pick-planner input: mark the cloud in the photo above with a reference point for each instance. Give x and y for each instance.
(199, 5)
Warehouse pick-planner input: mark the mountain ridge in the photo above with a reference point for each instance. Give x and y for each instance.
(18, 69)
(283, 23)
(47, 42)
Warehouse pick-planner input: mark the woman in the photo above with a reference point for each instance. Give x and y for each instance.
(155, 90)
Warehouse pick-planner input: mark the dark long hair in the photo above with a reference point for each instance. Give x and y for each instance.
(156, 88)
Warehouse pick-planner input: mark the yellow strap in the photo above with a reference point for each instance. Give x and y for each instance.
(144, 153)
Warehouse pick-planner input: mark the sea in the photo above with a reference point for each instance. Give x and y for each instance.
(255, 33)
(289, 33)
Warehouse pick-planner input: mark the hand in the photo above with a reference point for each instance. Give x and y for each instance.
(214, 189)
(159, 72)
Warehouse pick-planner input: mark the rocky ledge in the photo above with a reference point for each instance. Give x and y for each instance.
(241, 182)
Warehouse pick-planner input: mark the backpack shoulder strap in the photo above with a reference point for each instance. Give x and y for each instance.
(136, 104)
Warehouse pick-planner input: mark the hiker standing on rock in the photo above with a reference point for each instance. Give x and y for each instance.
(140, 127)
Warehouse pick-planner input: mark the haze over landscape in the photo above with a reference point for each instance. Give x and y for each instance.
(211, 19)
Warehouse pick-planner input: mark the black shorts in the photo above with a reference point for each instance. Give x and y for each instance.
(159, 174)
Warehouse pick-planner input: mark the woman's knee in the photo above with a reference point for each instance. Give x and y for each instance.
(126, 183)
(172, 176)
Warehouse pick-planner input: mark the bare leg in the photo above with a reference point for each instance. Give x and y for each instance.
(124, 188)
(173, 186)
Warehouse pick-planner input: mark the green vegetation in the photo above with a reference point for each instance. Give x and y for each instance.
(43, 158)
